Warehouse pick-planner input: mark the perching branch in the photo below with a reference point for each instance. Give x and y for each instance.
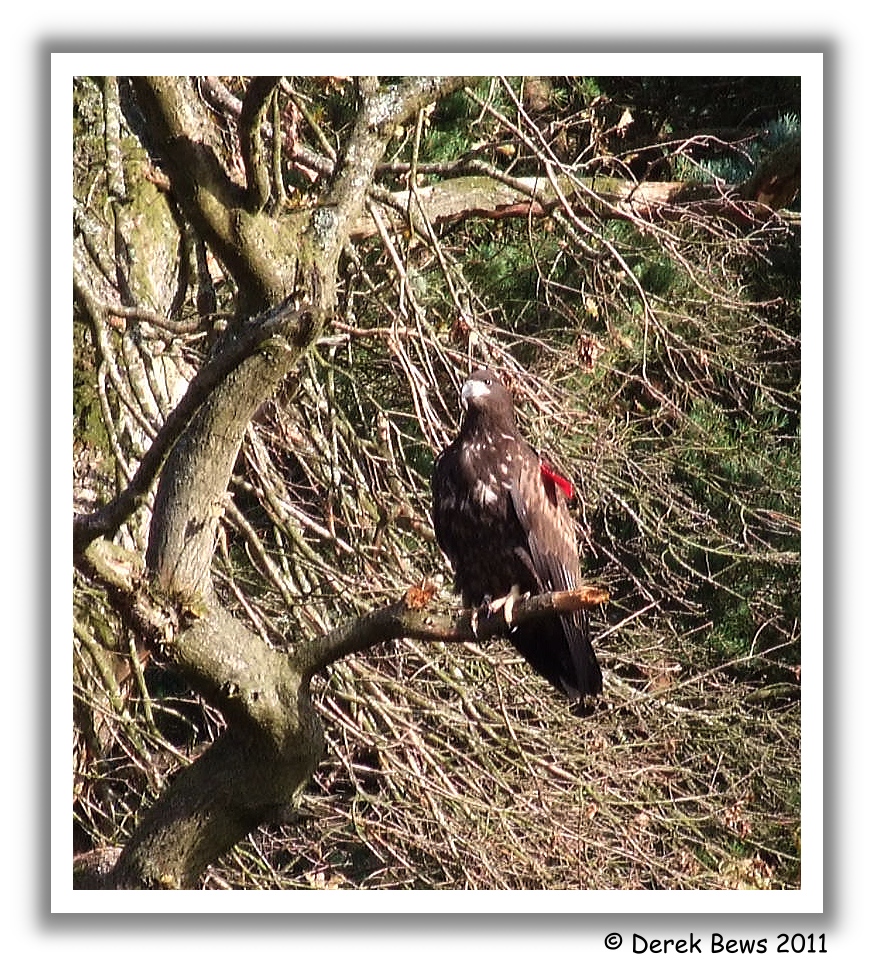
(419, 617)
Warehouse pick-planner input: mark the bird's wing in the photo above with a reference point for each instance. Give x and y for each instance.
(549, 529)
(540, 506)
(443, 504)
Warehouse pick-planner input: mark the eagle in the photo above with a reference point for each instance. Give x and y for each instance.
(500, 516)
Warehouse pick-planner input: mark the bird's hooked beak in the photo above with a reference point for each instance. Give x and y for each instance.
(473, 389)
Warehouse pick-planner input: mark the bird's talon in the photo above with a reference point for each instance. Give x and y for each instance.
(494, 605)
(509, 604)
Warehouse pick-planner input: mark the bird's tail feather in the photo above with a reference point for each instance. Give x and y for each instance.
(587, 673)
(560, 649)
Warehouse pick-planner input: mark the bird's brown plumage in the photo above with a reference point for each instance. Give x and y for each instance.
(501, 518)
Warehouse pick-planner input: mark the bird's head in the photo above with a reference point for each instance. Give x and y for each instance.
(484, 393)
(481, 385)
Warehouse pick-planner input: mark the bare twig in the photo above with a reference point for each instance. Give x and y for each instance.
(259, 331)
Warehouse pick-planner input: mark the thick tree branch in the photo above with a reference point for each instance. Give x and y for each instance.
(273, 740)
(382, 110)
(257, 252)
(191, 493)
(474, 188)
(491, 194)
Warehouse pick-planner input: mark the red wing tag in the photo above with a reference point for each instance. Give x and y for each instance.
(548, 473)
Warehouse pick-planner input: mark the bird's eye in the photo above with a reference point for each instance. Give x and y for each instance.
(488, 382)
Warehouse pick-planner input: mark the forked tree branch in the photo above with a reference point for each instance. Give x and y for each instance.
(419, 615)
